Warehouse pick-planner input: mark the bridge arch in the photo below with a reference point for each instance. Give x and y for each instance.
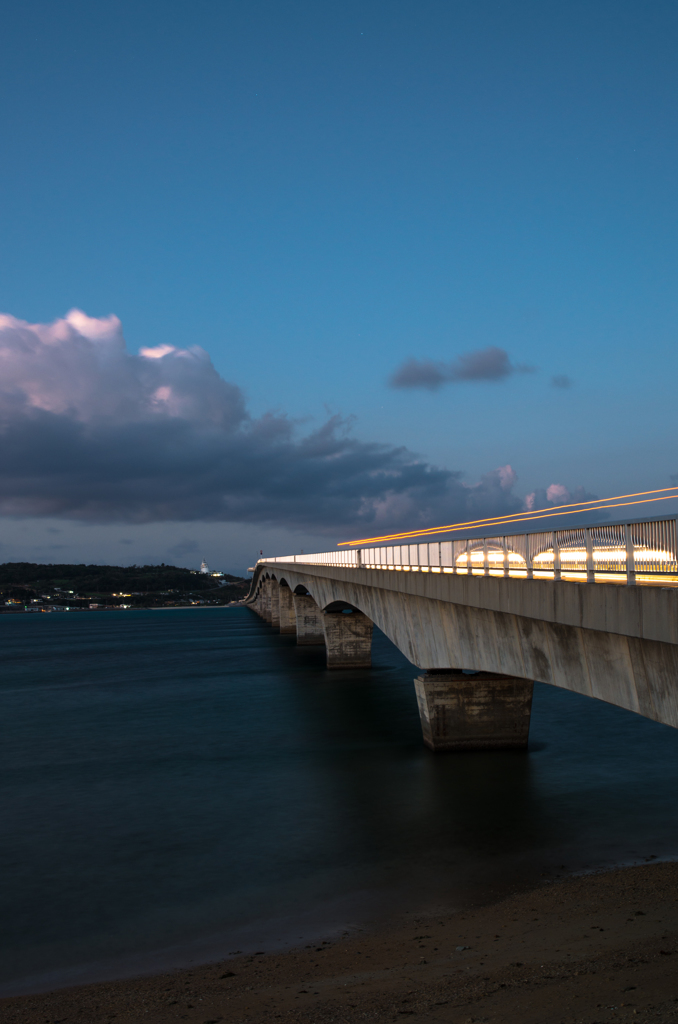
(341, 606)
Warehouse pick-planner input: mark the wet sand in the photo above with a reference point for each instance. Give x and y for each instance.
(588, 949)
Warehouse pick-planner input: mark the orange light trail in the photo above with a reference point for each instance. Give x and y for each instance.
(594, 505)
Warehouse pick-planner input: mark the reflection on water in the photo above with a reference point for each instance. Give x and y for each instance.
(178, 784)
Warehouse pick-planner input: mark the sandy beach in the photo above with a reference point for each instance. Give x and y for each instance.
(587, 949)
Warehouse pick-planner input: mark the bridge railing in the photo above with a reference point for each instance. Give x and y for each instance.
(642, 551)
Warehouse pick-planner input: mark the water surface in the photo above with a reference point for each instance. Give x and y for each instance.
(176, 785)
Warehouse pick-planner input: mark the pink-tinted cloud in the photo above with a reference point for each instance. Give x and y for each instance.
(555, 495)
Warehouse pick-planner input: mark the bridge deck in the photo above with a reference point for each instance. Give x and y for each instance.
(615, 643)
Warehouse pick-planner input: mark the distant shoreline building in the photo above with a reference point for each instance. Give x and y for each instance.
(206, 571)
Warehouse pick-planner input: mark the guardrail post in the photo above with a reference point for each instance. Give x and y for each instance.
(556, 557)
(528, 560)
(590, 578)
(630, 558)
(359, 558)
(506, 556)
(486, 558)
(468, 557)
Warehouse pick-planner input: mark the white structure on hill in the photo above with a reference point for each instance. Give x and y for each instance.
(206, 571)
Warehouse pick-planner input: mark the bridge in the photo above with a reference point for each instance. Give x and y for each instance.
(589, 609)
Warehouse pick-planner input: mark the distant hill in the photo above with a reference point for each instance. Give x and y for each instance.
(148, 583)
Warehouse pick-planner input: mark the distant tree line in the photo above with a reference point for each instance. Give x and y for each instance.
(28, 579)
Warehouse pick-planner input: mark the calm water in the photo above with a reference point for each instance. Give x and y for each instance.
(178, 785)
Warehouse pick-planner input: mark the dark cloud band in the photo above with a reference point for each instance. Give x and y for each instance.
(489, 364)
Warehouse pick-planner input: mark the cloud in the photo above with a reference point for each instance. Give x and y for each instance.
(417, 373)
(561, 381)
(486, 364)
(94, 433)
(557, 494)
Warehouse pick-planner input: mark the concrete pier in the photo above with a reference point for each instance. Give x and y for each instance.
(348, 639)
(266, 600)
(288, 618)
(483, 711)
(274, 604)
(309, 620)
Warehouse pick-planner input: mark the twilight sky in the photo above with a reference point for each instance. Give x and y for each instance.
(338, 267)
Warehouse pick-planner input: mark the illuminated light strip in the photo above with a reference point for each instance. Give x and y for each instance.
(508, 517)
(510, 520)
(516, 517)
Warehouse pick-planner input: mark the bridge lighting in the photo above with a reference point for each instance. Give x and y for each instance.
(495, 559)
(572, 561)
(569, 555)
(594, 505)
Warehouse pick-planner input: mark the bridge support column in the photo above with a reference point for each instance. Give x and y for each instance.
(309, 620)
(275, 604)
(348, 639)
(483, 711)
(288, 618)
(266, 600)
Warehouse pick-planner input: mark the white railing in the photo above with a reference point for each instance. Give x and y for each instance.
(634, 552)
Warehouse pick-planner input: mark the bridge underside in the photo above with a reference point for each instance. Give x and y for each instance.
(506, 635)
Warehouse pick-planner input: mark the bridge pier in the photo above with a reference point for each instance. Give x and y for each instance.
(266, 601)
(261, 605)
(288, 618)
(483, 711)
(275, 603)
(309, 620)
(348, 639)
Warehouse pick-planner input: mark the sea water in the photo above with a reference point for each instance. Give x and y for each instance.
(179, 785)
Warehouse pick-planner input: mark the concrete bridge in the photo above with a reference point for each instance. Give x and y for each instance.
(482, 631)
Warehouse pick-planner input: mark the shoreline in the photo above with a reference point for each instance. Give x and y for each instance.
(151, 608)
(590, 948)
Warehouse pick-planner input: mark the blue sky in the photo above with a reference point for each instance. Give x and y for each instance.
(316, 193)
